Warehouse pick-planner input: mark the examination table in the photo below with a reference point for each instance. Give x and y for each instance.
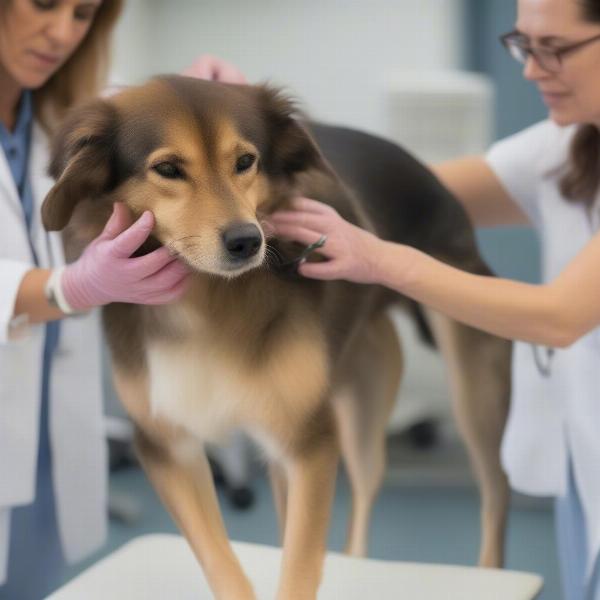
(162, 567)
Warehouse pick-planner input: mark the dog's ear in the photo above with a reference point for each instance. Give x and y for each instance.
(80, 161)
(290, 148)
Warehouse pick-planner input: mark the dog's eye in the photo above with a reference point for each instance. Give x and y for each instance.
(244, 162)
(168, 170)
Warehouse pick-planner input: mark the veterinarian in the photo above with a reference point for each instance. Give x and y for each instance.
(53, 470)
(546, 176)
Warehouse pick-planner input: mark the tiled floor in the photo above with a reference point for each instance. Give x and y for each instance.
(427, 511)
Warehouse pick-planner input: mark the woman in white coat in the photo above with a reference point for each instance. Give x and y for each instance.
(53, 54)
(547, 176)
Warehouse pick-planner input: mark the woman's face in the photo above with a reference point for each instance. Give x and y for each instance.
(573, 94)
(38, 36)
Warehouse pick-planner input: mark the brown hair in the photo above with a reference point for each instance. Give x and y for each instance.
(582, 177)
(84, 74)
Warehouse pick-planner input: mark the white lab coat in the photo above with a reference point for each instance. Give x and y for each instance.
(557, 417)
(79, 468)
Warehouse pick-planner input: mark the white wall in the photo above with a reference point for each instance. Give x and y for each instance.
(131, 53)
(330, 53)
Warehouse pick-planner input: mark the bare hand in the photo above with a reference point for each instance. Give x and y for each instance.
(350, 250)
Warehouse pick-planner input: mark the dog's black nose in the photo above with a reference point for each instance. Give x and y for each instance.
(242, 241)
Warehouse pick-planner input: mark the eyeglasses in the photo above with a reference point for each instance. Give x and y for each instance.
(549, 59)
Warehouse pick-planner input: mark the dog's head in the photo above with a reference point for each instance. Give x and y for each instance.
(208, 159)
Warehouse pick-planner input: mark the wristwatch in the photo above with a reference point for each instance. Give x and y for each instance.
(54, 292)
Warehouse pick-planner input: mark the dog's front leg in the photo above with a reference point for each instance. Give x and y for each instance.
(187, 490)
(311, 485)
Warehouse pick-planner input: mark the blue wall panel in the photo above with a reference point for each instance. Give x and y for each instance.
(511, 252)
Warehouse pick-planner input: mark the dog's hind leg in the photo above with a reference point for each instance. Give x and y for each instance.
(278, 481)
(479, 372)
(362, 407)
(179, 471)
(310, 474)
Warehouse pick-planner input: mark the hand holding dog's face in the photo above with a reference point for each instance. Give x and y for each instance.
(207, 159)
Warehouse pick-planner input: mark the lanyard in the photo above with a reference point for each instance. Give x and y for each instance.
(543, 363)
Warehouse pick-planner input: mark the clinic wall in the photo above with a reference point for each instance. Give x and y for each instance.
(512, 252)
(518, 103)
(132, 43)
(331, 54)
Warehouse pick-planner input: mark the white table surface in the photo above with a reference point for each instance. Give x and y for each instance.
(162, 567)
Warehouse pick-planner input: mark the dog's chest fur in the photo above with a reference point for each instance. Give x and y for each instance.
(223, 374)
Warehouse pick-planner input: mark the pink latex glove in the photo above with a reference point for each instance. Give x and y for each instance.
(215, 69)
(105, 272)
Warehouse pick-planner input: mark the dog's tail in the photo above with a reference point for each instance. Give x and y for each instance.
(423, 329)
(477, 266)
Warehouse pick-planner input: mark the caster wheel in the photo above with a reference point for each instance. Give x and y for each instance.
(241, 498)
(120, 456)
(217, 472)
(423, 435)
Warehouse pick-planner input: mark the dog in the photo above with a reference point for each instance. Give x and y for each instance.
(308, 368)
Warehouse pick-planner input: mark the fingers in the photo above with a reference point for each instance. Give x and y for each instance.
(147, 265)
(309, 214)
(119, 221)
(269, 229)
(128, 241)
(199, 71)
(202, 67)
(229, 74)
(301, 219)
(319, 270)
(215, 69)
(177, 290)
(303, 235)
(168, 275)
(164, 286)
(171, 294)
(312, 206)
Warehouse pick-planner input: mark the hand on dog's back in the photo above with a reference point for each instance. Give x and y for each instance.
(215, 69)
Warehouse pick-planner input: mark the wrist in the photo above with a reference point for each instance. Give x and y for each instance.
(54, 292)
(378, 263)
(373, 253)
(397, 267)
(73, 292)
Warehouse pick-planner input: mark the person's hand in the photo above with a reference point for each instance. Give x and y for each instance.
(351, 252)
(215, 69)
(105, 272)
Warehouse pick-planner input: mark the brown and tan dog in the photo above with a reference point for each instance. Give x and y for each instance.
(307, 368)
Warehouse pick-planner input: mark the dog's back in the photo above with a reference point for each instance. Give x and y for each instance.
(403, 199)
